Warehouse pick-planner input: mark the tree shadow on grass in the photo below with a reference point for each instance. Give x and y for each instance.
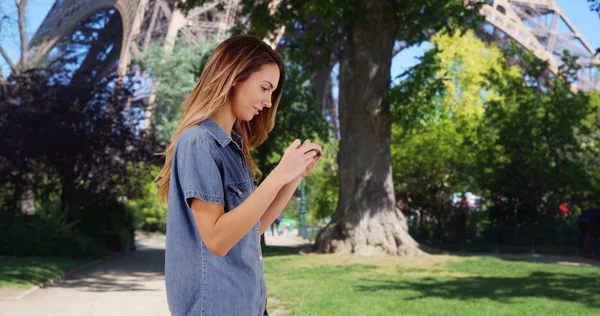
(26, 276)
(553, 286)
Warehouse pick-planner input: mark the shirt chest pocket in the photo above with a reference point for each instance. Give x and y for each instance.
(237, 192)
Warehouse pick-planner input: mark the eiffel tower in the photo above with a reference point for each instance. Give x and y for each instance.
(536, 25)
(137, 23)
(540, 26)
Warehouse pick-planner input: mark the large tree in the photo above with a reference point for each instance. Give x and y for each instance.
(27, 197)
(362, 35)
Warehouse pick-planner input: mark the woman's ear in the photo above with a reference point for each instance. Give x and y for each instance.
(233, 85)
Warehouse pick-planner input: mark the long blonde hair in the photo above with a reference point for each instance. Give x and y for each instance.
(234, 60)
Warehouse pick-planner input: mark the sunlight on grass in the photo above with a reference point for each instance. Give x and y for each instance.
(448, 285)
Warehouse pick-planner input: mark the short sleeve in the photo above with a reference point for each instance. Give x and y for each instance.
(198, 173)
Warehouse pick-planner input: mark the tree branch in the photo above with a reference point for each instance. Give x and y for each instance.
(21, 4)
(8, 61)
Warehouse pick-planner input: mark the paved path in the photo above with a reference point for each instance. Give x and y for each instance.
(132, 284)
(289, 239)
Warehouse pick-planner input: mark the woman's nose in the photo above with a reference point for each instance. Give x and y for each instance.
(267, 103)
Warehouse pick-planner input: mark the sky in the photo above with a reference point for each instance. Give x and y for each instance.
(578, 11)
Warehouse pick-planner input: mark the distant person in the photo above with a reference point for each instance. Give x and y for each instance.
(588, 224)
(564, 209)
(275, 225)
(216, 213)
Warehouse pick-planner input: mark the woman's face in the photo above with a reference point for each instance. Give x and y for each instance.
(250, 97)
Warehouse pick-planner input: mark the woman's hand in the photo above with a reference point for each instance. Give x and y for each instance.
(317, 154)
(295, 160)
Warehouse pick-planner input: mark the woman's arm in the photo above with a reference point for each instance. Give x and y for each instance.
(278, 204)
(283, 197)
(220, 231)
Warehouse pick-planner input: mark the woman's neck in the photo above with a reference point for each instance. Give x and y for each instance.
(225, 118)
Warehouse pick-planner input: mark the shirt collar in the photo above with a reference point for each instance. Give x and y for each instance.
(219, 134)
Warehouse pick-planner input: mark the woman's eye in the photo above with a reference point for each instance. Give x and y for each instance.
(264, 89)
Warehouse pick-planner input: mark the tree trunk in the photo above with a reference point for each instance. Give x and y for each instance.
(21, 5)
(366, 221)
(322, 85)
(28, 196)
(66, 198)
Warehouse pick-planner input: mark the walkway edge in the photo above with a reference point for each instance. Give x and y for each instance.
(62, 276)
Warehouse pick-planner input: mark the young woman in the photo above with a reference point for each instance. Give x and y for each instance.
(216, 213)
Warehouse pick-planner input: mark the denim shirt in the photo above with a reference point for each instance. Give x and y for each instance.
(209, 165)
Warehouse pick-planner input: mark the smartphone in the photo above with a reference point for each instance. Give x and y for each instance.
(315, 150)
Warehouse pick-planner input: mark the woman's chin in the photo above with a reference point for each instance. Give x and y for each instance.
(246, 119)
(253, 116)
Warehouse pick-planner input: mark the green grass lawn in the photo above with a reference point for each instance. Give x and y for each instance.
(440, 285)
(24, 272)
